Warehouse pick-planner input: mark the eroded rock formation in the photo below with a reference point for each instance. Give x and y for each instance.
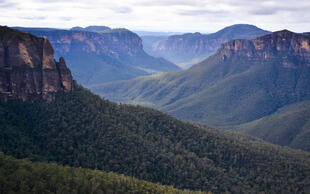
(28, 70)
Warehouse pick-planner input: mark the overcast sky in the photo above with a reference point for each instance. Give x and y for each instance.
(158, 15)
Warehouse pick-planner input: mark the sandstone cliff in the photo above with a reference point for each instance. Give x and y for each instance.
(28, 70)
(96, 58)
(289, 49)
(245, 80)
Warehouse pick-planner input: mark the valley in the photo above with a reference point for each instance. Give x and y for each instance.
(188, 49)
(97, 57)
(243, 81)
(57, 136)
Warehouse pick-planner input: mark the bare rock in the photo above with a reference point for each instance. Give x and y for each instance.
(28, 70)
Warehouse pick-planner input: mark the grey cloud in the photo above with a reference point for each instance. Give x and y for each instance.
(267, 7)
(168, 3)
(5, 4)
(34, 18)
(271, 10)
(200, 12)
(66, 18)
(53, 1)
(263, 11)
(122, 10)
(42, 9)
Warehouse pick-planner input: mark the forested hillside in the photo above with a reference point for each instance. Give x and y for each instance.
(46, 117)
(82, 130)
(24, 176)
(288, 126)
(244, 81)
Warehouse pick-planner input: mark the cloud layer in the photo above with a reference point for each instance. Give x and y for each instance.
(158, 15)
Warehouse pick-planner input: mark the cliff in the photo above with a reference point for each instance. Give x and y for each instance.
(111, 55)
(243, 81)
(114, 43)
(291, 50)
(28, 70)
(191, 48)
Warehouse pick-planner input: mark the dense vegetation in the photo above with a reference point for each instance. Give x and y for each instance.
(23, 176)
(289, 126)
(82, 130)
(224, 91)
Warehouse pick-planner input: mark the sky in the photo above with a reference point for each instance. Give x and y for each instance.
(158, 15)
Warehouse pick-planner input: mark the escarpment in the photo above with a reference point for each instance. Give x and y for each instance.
(28, 70)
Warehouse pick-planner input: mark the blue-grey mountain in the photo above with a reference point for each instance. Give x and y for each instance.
(110, 55)
(244, 81)
(191, 48)
(79, 129)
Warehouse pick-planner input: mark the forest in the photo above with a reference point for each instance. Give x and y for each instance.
(24, 176)
(80, 129)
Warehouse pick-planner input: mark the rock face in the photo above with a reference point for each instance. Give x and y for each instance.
(243, 81)
(28, 70)
(254, 85)
(191, 48)
(111, 55)
(114, 43)
(284, 47)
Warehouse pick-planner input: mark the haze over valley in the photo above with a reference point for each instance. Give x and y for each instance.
(154, 96)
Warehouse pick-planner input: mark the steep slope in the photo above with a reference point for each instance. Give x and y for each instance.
(244, 81)
(103, 57)
(28, 69)
(23, 176)
(149, 42)
(80, 129)
(191, 48)
(288, 126)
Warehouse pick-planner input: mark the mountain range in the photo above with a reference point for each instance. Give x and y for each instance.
(92, 28)
(191, 48)
(79, 129)
(98, 54)
(244, 81)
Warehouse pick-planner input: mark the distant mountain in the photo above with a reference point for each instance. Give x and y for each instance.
(191, 48)
(150, 33)
(103, 57)
(35, 28)
(244, 81)
(91, 28)
(79, 129)
(289, 126)
(151, 41)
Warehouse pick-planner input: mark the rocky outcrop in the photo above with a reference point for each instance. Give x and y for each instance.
(28, 70)
(244, 81)
(191, 48)
(116, 43)
(113, 43)
(291, 50)
(96, 58)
